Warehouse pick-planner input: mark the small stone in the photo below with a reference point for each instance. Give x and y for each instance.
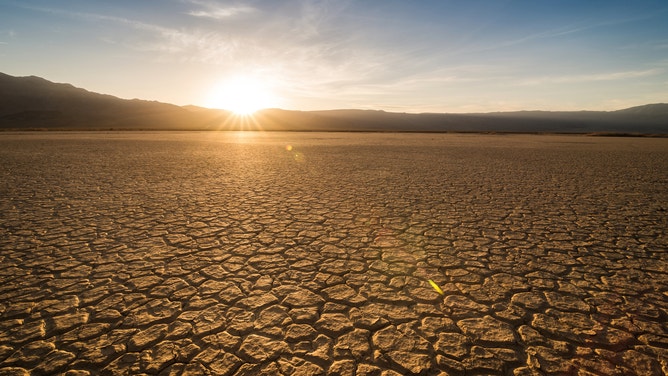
(240, 322)
(393, 313)
(510, 282)
(147, 337)
(21, 309)
(613, 338)
(454, 345)
(345, 367)
(14, 371)
(322, 346)
(5, 351)
(179, 329)
(483, 359)
(263, 283)
(599, 365)
(267, 261)
(549, 361)
(108, 315)
(57, 307)
(334, 323)
(389, 372)
(254, 302)
(304, 315)
(344, 294)
(654, 340)
(531, 336)
(153, 312)
(529, 300)
(526, 371)
(447, 363)
(487, 329)
(409, 361)
(274, 316)
(303, 298)
(209, 320)
(53, 362)
(208, 355)
(433, 326)
(640, 363)
(393, 339)
(225, 364)
(230, 294)
(87, 331)
(31, 352)
(355, 344)
(211, 287)
(566, 302)
(367, 319)
(575, 327)
(330, 307)
(259, 349)
(299, 332)
(510, 313)
(144, 283)
(367, 370)
(299, 367)
(77, 372)
(463, 307)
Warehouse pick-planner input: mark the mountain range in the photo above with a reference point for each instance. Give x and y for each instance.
(33, 103)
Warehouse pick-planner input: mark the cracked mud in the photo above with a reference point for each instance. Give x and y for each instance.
(309, 254)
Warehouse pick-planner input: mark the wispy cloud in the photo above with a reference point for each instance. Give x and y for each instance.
(187, 44)
(343, 53)
(7, 34)
(304, 44)
(209, 9)
(541, 35)
(556, 33)
(99, 17)
(611, 76)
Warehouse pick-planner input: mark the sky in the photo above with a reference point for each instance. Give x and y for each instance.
(394, 55)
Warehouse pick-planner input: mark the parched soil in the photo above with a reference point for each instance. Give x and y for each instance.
(312, 253)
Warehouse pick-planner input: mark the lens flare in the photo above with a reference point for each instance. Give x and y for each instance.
(436, 287)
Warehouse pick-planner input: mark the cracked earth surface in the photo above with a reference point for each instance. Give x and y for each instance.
(309, 254)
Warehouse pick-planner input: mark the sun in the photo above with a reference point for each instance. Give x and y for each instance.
(242, 95)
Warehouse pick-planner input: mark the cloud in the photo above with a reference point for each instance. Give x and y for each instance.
(217, 11)
(187, 44)
(7, 34)
(302, 39)
(577, 28)
(100, 17)
(612, 76)
(537, 36)
(659, 45)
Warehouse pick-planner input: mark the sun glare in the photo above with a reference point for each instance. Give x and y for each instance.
(242, 95)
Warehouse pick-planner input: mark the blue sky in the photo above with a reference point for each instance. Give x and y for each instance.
(412, 56)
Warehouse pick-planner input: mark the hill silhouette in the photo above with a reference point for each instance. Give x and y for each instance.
(35, 103)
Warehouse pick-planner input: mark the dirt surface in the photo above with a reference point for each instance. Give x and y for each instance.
(311, 253)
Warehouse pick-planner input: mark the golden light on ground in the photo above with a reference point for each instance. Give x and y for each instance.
(242, 95)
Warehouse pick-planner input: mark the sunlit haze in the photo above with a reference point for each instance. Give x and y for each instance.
(393, 55)
(242, 95)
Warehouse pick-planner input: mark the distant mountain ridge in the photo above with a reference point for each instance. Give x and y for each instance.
(35, 103)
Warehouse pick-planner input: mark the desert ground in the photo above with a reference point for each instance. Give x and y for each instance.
(311, 253)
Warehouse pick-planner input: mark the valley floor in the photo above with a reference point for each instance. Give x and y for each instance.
(311, 253)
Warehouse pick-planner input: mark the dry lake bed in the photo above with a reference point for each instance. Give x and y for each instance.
(312, 253)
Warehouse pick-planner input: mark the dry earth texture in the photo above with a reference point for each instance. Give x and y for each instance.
(309, 254)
